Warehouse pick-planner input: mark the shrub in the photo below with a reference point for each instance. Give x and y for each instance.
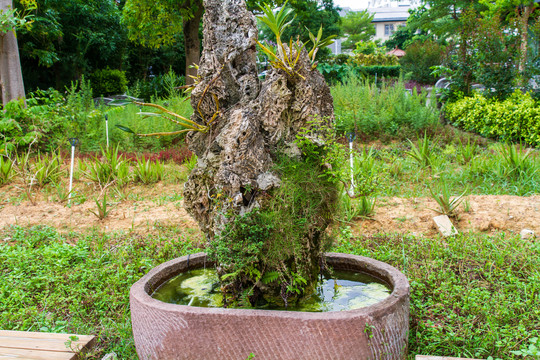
(390, 110)
(159, 86)
(336, 73)
(381, 71)
(374, 59)
(516, 118)
(42, 123)
(420, 57)
(108, 82)
(496, 59)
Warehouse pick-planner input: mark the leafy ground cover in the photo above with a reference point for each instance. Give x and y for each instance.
(79, 282)
(472, 295)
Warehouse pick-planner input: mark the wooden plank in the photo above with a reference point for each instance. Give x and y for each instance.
(42, 335)
(19, 354)
(38, 346)
(428, 357)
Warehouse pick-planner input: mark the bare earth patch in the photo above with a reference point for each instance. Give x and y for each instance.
(149, 207)
(488, 213)
(141, 216)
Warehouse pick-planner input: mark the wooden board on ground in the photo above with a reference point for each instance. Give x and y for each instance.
(427, 357)
(42, 346)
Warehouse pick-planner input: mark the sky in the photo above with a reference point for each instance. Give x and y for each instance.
(354, 4)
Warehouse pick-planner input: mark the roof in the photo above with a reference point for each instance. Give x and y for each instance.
(389, 14)
(397, 52)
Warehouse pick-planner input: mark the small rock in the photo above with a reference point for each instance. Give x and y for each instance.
(527, 234)
(268, 180)
(445, 226)
(110, 356)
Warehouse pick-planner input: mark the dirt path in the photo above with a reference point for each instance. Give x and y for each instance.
(161, 205)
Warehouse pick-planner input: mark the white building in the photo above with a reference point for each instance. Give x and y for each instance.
(388, 15)
(388, 19)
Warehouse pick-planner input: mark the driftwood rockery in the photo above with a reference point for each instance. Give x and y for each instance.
(253, 122)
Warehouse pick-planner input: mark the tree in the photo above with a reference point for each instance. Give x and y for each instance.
(521, 11)
(310, 15)
(155, 23)
(357, 24)
(70, 38)
(406, 35)
(10, 64)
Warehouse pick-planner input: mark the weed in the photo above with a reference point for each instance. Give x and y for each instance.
(467, 205)
(366, 206)
(46, 169)
(422, 153)
(467, 152)
(103, 209)
(396, 168)
(385, 112)
(6, 170)
(110, 167)
(148, 172)
(516, 161)
(533, 350)
(191, 162)
(61, 194)
(447, 204)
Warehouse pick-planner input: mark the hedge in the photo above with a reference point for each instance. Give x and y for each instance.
(334, 73)
(516, 119)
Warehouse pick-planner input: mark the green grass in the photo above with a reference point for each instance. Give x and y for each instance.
(93, 137)
(473, 295)
(487, 173)
(79, 283)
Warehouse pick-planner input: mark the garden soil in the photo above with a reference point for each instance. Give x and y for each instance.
(487, 213)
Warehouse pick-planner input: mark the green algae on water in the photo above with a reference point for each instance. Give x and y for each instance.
(344, 291)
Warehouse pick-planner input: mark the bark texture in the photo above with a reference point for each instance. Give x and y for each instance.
(11, 79)
(192, 41)
(252, 120)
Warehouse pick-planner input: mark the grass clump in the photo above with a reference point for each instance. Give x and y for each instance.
(388, 112)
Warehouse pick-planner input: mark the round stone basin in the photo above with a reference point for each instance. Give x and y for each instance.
(170, 331)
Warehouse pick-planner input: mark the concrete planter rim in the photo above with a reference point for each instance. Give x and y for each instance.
(143, 288)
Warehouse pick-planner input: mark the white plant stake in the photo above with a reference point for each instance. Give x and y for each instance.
(73, 142)
(107, 129)
(351, 137)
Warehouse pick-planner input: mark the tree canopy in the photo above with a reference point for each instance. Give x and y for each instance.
(310, 15)
(357, 25)
(156, 23)
(69, 38)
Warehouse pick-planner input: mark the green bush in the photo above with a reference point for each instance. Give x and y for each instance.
(381, 70)
(389, 110)
(42, 123)
(108, 82)
(419, 58)
(516, 118)
(160, 86)
(336, 73)
(380, 59)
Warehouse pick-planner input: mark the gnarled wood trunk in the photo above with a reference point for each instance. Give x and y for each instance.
(251, 123)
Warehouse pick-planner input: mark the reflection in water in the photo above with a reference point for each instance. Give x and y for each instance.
(345, 291)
